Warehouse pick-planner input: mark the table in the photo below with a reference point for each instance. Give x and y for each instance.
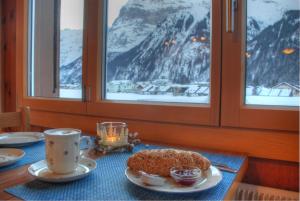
(20, 175)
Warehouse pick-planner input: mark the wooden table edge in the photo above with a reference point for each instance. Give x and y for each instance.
(238, 178)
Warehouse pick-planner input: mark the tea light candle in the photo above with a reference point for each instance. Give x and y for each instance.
(111, 139)
(113, 134)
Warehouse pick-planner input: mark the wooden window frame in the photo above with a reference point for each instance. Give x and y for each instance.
(235, 113)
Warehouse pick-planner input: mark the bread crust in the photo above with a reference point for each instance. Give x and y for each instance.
(160, 161)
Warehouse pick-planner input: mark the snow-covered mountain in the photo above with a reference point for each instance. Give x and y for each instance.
(139, 18)
(71, 57)
(268, 12)
(71, 74)
(264, 13)
(268, 65)
(254, 28)
(139, 48)
(70, 46)
(169, 52)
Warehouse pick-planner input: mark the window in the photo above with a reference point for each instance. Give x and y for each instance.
(158, 51)
(55, 48)
(272, 52)
(161, 61)
(260, 68)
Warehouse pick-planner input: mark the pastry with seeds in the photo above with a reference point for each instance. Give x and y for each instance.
(160, 161)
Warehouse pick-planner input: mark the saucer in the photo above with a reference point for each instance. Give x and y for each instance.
(19, 139)
(41, 172)
(10, 156)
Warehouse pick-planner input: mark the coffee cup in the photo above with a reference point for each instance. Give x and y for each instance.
(63, 149)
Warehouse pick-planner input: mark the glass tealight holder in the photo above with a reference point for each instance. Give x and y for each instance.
(113, 134)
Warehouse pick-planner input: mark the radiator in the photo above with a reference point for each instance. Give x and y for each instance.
(253, 192)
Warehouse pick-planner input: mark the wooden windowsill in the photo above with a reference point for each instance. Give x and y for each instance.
(277, 145)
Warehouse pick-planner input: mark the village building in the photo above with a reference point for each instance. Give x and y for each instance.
(287, 89)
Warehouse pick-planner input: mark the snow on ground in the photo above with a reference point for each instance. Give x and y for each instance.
(70, 93)
(273, 100)
(157, 98)
(250, 100)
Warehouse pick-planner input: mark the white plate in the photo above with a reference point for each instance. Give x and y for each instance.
(10, 156)
(212, 177)
(40, 171)
(18, 139)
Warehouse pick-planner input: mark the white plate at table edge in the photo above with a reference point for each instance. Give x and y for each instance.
(213, 178)
(14, 154)
(40, 171)
(21, 138)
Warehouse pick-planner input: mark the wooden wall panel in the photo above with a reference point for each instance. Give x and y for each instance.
(9, 54)
(1, 60)
(273, 173)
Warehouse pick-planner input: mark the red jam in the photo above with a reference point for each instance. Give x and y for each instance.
(187, 177)
(187, 182)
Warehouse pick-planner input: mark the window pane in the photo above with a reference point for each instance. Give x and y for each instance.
(272, 55)
(55, 48)
(158, 50)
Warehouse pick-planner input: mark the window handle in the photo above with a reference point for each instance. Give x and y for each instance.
(56, 46)
(231, 7)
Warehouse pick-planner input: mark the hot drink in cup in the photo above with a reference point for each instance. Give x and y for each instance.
(63, 149)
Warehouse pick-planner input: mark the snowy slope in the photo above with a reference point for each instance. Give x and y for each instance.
(71, 57)
(71, 74)
(183, 61)
(138, 18)
(254, 28)
(70, 46)
(268, 66)
(269, 12)
(168, 52)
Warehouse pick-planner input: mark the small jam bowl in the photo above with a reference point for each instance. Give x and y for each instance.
(187, 176)
(151, 179)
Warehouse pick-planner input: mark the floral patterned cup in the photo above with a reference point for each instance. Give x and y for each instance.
(63, 149)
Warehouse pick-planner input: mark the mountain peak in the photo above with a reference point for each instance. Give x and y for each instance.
(268, 64)
(139, 18)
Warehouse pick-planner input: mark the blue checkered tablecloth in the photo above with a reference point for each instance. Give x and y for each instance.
(108, 182)
(33, 153)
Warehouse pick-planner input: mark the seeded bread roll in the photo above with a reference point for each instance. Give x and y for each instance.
(160, 161)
